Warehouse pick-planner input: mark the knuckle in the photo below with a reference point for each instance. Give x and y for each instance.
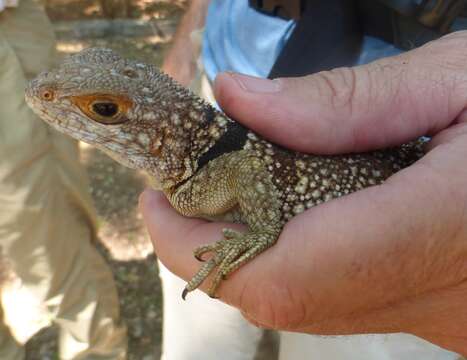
(446, 53)
(338, 86)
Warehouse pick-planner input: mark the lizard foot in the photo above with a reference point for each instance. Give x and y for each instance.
(228, 255)
(229, 234)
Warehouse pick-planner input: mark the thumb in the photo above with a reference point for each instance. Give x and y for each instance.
(380, 104)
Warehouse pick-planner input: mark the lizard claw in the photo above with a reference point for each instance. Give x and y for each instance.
(184, 293)
(228, 254)
(198, 257)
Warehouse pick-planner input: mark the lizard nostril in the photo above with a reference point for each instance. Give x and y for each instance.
(47, 95)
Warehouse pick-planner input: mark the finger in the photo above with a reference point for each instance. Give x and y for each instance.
(384, 103)
(454, 133)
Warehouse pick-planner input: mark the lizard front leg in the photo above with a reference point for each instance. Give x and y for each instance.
(238, 180)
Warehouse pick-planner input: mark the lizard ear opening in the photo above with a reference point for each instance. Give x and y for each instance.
(104, 109)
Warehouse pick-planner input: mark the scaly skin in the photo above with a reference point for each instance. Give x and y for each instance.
(206, 164)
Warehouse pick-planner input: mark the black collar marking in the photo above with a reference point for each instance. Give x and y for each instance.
(233, 139)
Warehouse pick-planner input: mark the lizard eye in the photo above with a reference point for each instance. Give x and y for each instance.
(47, 95)
(105, 109)
(107, 112)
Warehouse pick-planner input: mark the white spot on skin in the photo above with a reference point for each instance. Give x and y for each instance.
(298, 209)
(149, 116)
(302, 185)
(143, 139)
(214, 132)
(252, 136)
(221, 120)
(175, 119)
(316, 194)
(300, 164)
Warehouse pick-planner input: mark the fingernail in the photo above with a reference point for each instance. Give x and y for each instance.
(147, 198)
(256, 84)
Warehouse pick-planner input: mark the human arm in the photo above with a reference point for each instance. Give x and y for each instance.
(8, 4)
(180, 61)
(391, 258)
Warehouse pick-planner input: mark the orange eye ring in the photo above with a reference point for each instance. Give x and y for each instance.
(47, 95)
(103, 108)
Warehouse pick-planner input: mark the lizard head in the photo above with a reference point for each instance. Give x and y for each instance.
(132, 111)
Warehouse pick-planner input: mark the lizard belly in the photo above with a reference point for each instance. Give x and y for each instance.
(233, 215)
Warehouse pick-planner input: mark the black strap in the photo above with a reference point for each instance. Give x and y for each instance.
(321, 42)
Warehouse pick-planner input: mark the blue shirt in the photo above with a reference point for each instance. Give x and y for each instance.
(241, 39)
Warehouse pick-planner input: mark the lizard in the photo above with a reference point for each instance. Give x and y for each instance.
(207, 164)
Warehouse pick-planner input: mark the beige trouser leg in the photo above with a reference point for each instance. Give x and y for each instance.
(46, 217)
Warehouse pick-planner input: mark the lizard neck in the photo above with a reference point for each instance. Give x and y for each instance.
(190, 133)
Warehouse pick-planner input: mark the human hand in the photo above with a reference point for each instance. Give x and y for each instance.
(390, 258)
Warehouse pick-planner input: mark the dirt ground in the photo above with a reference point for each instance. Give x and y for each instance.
(122, 238)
